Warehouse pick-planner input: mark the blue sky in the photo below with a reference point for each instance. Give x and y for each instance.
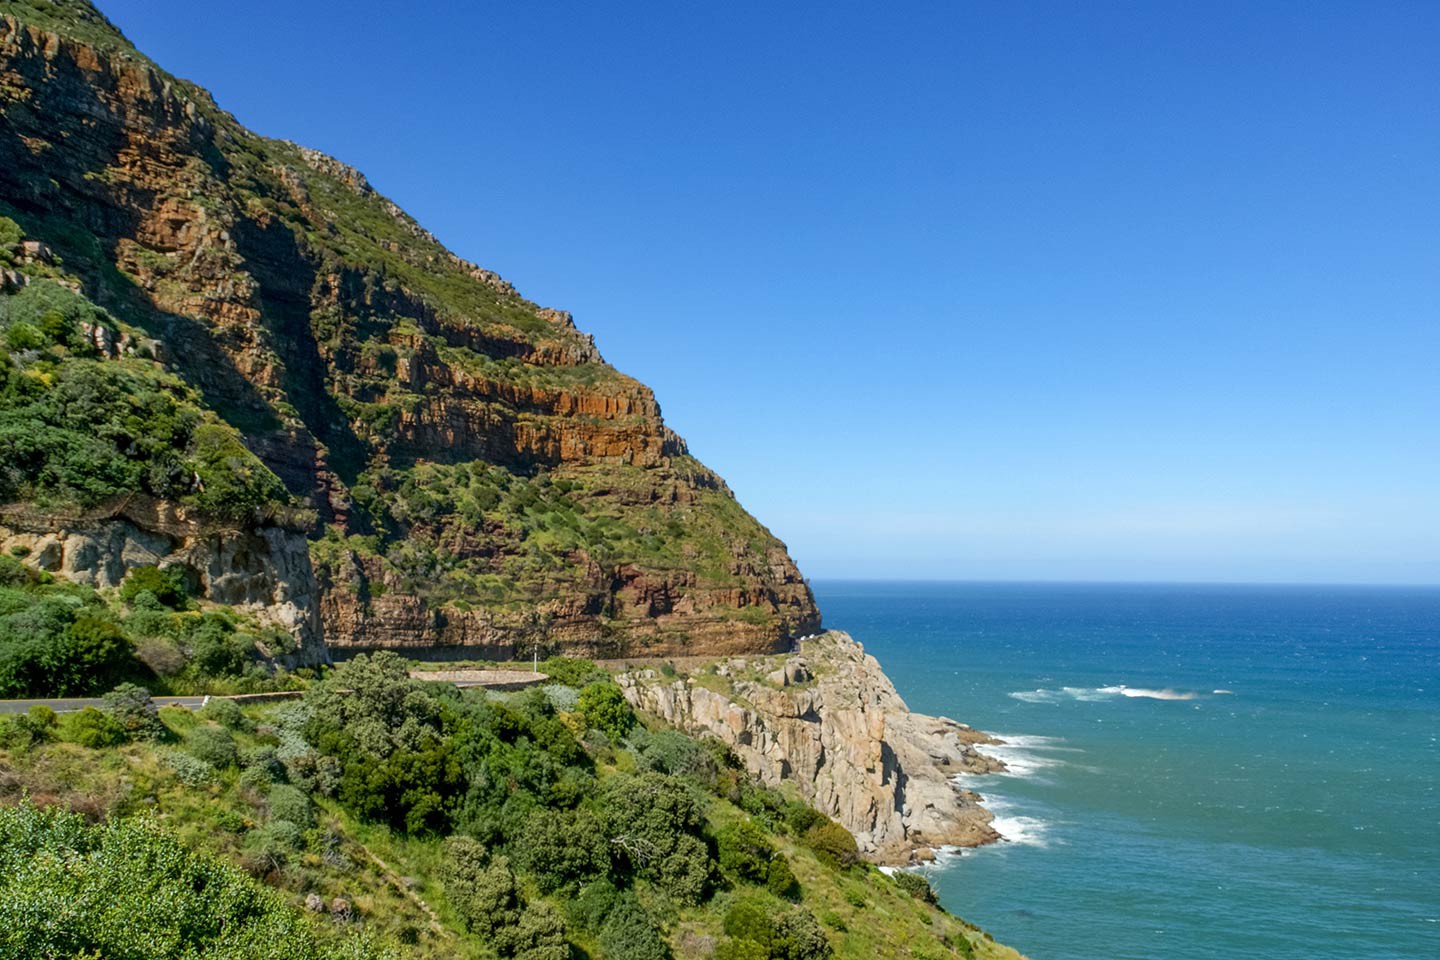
(969, 290)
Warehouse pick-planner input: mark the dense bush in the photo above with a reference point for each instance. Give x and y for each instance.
(762, 929)
(289, 803)
(916, 885)
(604, 707)
(562, 848)
(745, 851)
(833, 844)
(655, 827)
(57, 641)
(169, 586)
(214, 745)
(628, 932)
(84, 428)
(127, 889)
(132, 706)
(91, 728)
(225, 712)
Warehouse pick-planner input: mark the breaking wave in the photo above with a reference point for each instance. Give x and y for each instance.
(1100, 694)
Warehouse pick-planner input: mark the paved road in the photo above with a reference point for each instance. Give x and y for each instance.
(71, 704)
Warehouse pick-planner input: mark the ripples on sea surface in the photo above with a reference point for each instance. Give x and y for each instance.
(1198, 771)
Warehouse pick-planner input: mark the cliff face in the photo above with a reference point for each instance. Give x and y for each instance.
(481, 477)
(828, 720)
(261, 571)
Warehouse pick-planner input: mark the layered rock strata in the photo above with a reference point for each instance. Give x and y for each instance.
(352, 350)
(827, 719)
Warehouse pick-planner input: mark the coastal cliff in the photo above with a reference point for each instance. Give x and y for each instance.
(480, 478)
(827, 719)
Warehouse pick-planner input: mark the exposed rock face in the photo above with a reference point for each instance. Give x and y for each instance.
(350, 348)
(828, 719)
(264, 571)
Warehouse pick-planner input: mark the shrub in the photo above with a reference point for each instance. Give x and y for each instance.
(749, 918)
(595, 902)
(288, 803)
(833, 844)
(272, 846)
(798, 937)
(780, 879)
(916, 885)
(604, 707)
(91, 728)
(167, 586)
(132, 706)
(29, 729)
(191, 771)
(629, 932)
(801, 817)
(539, 934)
(570, 671)
(227, 713)
(127, 888)
(654, 825)
(214, 745)
(745, 851)
(562, 849)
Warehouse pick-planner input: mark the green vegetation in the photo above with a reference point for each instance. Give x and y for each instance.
(63, 639)
(80, 427)
(129, 889)
(458, 824)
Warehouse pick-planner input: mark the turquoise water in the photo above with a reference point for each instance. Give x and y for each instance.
(1151, 816)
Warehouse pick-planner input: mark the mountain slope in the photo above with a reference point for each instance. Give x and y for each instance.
(479, 475)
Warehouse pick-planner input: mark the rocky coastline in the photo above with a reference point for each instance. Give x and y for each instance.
(825, 718)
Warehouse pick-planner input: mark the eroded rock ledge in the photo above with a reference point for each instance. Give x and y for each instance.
(828, 719)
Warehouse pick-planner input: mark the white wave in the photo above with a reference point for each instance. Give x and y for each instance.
(1023, 755)
(1100, 694)
(1017, 828)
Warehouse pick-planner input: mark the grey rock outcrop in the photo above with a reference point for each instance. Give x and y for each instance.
(264, 571)
(829, 720)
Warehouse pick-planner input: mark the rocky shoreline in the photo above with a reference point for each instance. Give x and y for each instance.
(827, 719)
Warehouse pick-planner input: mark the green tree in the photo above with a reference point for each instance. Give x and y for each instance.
(604, 707)
(562, 849)
(655, 825)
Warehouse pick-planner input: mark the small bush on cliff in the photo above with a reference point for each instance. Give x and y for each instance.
(833, 844)
(745, 851)
(917, 886)
(168, 586)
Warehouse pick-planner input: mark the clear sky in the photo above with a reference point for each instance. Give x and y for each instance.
(970, 290)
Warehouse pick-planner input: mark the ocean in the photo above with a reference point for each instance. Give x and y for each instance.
(1196, 771)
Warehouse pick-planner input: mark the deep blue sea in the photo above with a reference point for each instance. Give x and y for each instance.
(1197, 771)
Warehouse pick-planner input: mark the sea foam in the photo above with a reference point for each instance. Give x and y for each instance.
(1100, 694)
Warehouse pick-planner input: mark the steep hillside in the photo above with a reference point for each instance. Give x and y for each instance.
(477, 474)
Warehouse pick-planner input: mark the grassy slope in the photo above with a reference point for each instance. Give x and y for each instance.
(392, 879)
